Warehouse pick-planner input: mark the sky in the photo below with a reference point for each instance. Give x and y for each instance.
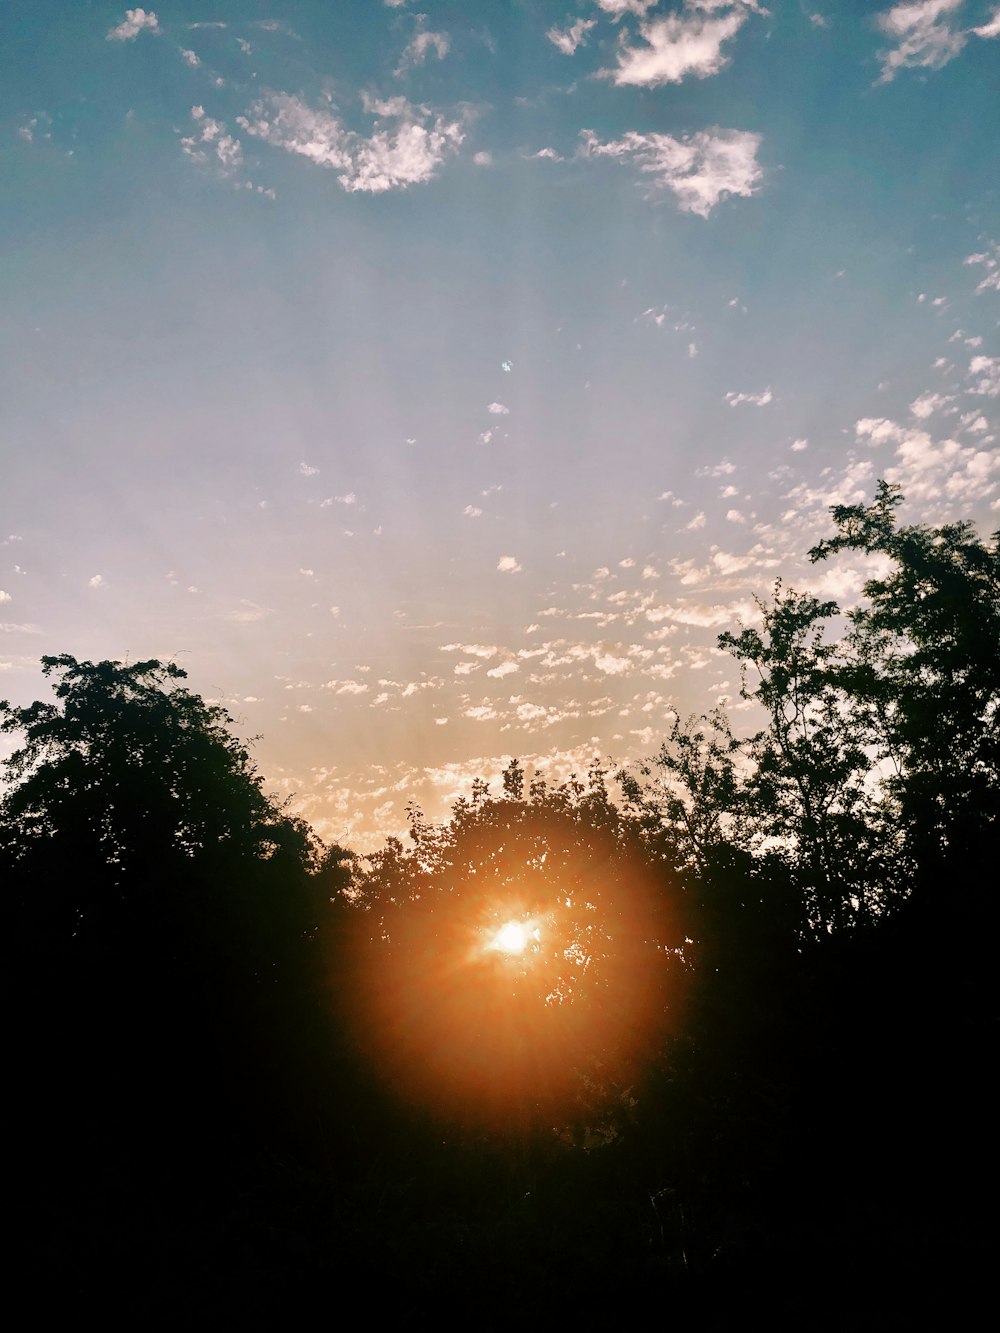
(434, 382)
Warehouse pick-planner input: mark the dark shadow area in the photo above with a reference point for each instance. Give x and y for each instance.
(732, 1065)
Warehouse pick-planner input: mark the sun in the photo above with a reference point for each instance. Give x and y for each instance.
(512, 937)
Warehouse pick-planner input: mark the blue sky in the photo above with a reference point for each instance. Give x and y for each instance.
(435, 381)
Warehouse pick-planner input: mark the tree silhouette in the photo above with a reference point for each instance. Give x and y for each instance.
(925, 679)
(160, 906)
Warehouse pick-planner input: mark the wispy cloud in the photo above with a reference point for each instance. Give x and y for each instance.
(134, 22)
(700, 169)
(924, 36)
(568, 39)
(754, 399)
(211, 144)
(674, 47)
(988, 258)
(407, 144)
(421, 46)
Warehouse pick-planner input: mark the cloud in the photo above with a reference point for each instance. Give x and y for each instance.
(568, 39)
(618, 8)
(929, 403)
(676, 46)
(407, 152)
(756, 399)
(4, 596)
(988, 367)
(797, 446)
(723, 469)
(700, 169)
(483, 159)
(504, 669)
(484, 650)
(930, 471)
(991, 28)
(212, 141)
(697, 522)
(346, 686)
(423, 43)
(307, 471)
(134, 22)
(97, 581)
(498, 409)
(508, 565)
(190, 58)
(924, 36)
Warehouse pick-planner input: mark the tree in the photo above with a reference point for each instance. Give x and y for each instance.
(158, 902)
(925, 678)
(812, 792)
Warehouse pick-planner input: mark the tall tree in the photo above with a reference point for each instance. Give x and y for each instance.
(925, 677)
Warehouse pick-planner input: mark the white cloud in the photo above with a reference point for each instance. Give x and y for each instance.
(974, 422)
(929, 403)
(618, 8)
(4, 596)
(508, 565)
(798, 445)
(504, 669)
(612, 665)
(930, 471)
(498, 409)
(471, 511)
(483, 159)
(134, 22)
(423, 43)
(697, 522)
(675, 47)
(307, 471)
(210, 141)
(723, 469)
(924, 36)
(346, 686)
(990, 259)
(700, 169)
(190, 58)
(988, 367)
(991, 28)
(484, 650)
(568, 39)
(407, 153)
(756, 399)
(97, 581)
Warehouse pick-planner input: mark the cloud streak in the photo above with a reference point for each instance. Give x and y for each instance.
(406, 146)
(699, 169)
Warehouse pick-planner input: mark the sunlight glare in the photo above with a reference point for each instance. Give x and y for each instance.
(511, 938)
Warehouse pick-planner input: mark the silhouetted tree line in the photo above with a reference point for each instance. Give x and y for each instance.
(743, 1069)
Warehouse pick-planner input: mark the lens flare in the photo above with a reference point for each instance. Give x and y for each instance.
(543, 957)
